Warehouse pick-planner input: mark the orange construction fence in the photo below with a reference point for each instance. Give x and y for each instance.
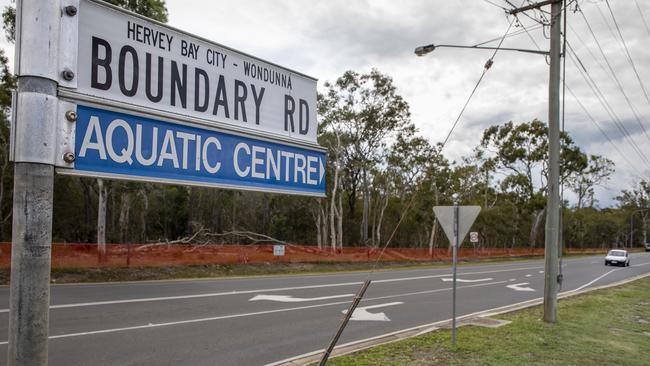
(148, 255)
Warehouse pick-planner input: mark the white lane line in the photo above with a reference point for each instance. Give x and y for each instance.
(520, 287)
(362, 313)
(246, 292)
(200, 320)
(434, 291)
(284, 298)
(449, 279)
(596, 279)
(602, 276)
(528, 275)
(541, 271)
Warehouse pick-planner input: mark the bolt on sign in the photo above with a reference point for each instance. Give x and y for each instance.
(154, 103)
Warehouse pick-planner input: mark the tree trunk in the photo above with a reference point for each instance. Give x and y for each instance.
(143, 215)
(434, 228)
(380, 221)
(324, 213)
(333, 210)
(319, 220)
(192, 209)
(432, 238)
(534, 230)
(125, 210)
(339, 238)
(101, 220)
(644, 219)
(366, 204)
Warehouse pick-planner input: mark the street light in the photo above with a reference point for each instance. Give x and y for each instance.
(552, 278)
(423, 50)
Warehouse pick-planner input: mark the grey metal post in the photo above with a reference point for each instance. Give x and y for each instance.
(631, 229)
(453, 266)
(33, 148)
(553, 199)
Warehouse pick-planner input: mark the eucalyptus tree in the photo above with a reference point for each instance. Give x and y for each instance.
(519, 153)
(367, 111)
(637, 202)
(400, 179)
(597, 172)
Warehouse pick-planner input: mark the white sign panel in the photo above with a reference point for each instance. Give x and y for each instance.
(278, 250)
(131, 62)
(473, 237)
(466, 217)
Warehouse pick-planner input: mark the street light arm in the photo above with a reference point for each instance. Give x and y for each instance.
(423, 50)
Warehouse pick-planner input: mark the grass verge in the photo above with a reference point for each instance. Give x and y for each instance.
(604, 327)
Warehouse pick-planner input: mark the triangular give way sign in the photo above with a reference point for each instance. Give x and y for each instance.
(466, 217)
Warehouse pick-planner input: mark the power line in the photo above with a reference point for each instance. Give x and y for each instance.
(495, 4)
(642, 17)
(599, 95)
(622, 128)
(488, 64)
(602, 131)
(516, 33)
(596, 59)
(526, 14)
(603, 100)
(611, 69)
(627, 52)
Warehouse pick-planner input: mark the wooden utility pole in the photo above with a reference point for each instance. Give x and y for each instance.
(553, 227)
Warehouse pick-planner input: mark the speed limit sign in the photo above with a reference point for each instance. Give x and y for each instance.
(473, 237)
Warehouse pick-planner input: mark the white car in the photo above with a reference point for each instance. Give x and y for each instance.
(618, 257)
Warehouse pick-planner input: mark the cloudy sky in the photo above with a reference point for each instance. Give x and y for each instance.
(325, 38)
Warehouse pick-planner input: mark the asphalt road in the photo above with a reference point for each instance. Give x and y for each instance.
(256, 321)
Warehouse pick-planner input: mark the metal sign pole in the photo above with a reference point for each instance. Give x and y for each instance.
(454, 259)
(33, 148)
(456, 222)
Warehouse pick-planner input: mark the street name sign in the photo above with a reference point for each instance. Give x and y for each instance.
(137, 62)
(153, 103)
(466, 217)
(115, 144)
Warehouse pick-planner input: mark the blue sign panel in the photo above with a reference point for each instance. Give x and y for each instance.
(120, 145)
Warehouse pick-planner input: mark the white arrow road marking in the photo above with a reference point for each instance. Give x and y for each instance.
(363, 314)
(519, 287)
(285, 298)
(449, 279)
